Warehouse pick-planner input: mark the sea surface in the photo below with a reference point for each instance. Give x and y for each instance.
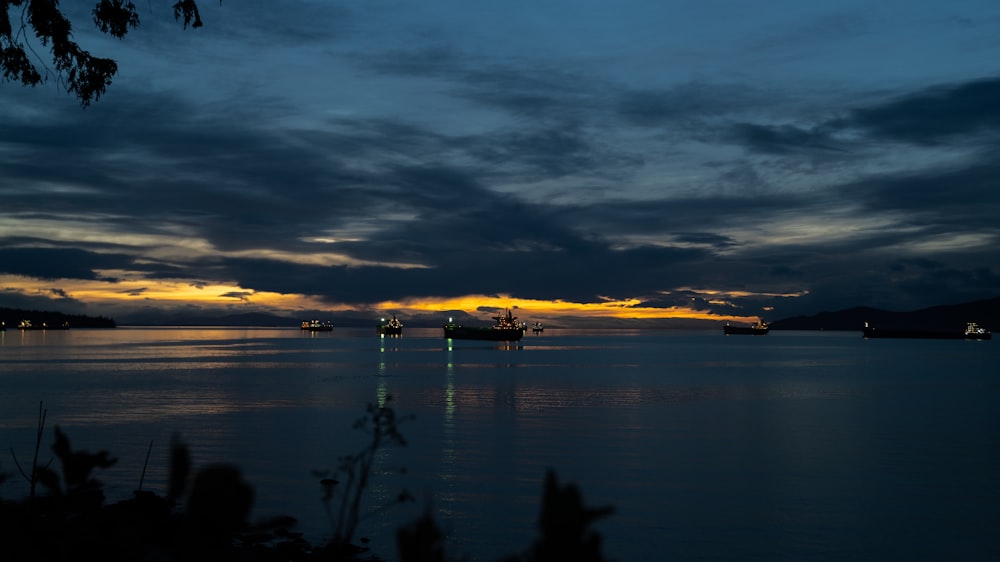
(791, 446)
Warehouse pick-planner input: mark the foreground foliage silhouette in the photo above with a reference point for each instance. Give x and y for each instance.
(70, 520)
(84, 75)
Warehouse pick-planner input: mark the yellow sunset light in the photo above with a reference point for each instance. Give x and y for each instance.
(130, 288)
(609, 308)
(100, 292)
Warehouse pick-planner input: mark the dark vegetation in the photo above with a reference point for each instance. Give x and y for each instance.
(84, 76)
(204, 515)
(12, 316)
(952, 317)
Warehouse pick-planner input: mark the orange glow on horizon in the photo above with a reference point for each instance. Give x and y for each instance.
(609, 308)
(170, 293)
(159, 292)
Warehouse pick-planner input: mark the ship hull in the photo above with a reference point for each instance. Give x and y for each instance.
(488, 334)
(390, 331)
(317, 326)
(870, 332)
(742, 330)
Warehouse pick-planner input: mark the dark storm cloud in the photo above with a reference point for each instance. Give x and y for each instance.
(455, 213)
(544, 177)
(934, 203)
(221, 182)
(244, 296)
(244, 188)
(703, 239)
(578, 276)
(474, 240)
(522, 89)
(550, 152)
(688, 103)
(957, 197)
(960, 114)
(40, 300)
(944, 113)
(783, 139)
(58, 263)
(844, 283)
(686, 215)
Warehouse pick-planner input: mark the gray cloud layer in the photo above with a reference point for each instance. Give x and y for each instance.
(541, 182)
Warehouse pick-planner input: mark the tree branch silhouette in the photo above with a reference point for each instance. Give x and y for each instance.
(85, 76)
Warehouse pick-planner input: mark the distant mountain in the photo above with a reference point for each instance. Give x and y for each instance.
(11, 317)
(952, 317)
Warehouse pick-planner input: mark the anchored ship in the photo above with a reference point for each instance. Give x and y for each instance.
(505, 329)
(391, 328)
(317, 326)
(758, 328)
(973, 331)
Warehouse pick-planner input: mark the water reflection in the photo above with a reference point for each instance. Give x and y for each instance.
(447, 472)
(787, 447)
(480, 345)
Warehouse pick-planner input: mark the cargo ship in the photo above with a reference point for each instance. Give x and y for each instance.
(505, 329)
(972, 331)
(391, 328)
(317, 326)
(758, 328)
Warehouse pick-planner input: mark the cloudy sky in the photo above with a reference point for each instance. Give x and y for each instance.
(634, 158)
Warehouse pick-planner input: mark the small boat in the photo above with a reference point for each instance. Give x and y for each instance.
(972, 331)
(505, 329)
(317, 326)
(391, 328)
(29, 325)
(758, 328)
(537, 328)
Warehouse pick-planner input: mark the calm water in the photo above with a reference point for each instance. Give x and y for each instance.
(792, 446)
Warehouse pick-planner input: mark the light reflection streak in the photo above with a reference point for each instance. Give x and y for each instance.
(150, 406)
(382, 394)
(448, 450)
(447, 474)
(482, 401)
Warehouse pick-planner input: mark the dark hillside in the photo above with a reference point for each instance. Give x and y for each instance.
(951, 317)
(12, 316)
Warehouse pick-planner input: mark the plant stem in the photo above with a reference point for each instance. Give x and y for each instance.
(38, 445)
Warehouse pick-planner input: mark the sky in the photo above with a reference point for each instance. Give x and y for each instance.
(573, 159)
